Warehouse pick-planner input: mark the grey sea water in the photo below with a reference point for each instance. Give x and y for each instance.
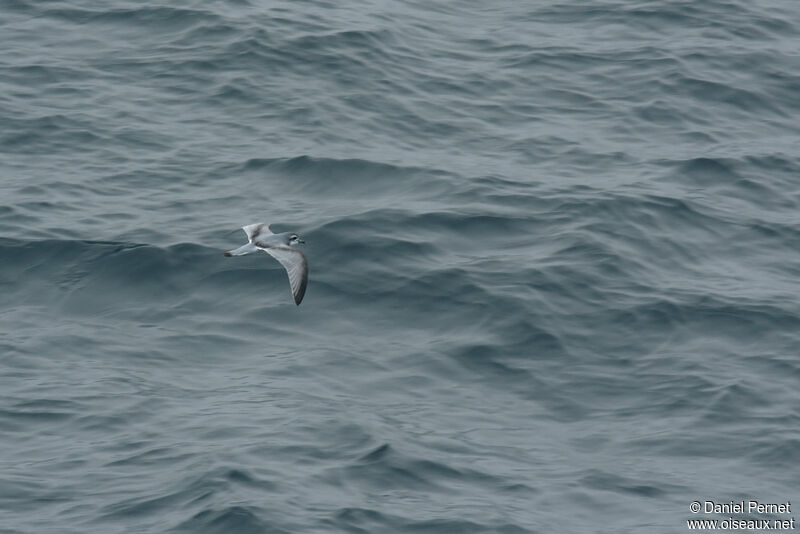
(554, 252)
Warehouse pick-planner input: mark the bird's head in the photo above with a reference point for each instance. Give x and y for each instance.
(295, 239)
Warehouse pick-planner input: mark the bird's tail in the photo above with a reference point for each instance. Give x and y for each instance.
(249, 248)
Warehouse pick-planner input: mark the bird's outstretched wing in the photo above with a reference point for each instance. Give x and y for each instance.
(296, 267)
(253, 231)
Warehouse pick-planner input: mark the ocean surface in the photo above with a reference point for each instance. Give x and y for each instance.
(554, 255)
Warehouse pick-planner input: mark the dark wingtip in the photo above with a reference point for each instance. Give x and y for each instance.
(227, 254)
(301, 292)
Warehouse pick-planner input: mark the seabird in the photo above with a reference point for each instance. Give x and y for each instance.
(260, 237)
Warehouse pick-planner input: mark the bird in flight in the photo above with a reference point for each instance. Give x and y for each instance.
(278, 246)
